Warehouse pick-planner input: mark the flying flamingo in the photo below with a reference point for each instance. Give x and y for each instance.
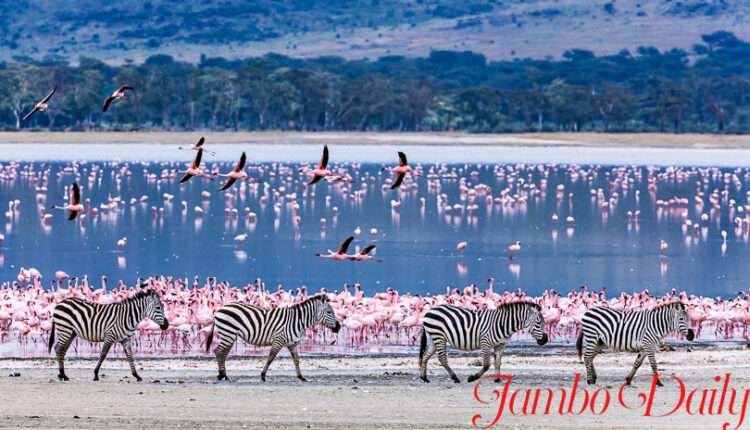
(321, 172)
(42, 105)
(119, 94)
(339, 255)
(194, 169)
(198, 146)
(363, 255)
(235, 174)
(75, 205)
(401, 170)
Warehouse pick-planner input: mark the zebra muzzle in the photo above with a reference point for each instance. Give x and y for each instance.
(337, 327)
(165, 325)
(690, 334)
(543, 340)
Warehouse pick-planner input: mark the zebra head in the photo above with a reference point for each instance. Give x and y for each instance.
(324, 314)
(155, 310)
(535, 324)
(682, 320)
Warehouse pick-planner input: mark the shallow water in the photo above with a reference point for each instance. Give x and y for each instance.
(417, 245)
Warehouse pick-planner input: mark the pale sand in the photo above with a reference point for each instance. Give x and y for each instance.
(345, 392)
(441, 138)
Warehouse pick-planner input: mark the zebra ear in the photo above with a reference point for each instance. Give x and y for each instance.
(324, 298)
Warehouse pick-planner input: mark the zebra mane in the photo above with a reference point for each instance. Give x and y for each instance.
(512, 305)
(137, 296)
(669, 305)
(319, 297)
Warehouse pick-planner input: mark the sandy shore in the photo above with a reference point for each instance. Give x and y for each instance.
(442, 138)
(352, 392)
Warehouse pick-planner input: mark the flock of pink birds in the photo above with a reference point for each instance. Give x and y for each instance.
(387, 318)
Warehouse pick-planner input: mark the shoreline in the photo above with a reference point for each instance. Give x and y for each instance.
(580, 139)
(362, 392)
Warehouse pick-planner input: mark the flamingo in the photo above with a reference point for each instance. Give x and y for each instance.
(240, 239)
(194, 169)
(401, 170)
(460, 247)
(198, 146)
(122, 242)
(363, 255)
(339, 255)
(42, 105)
(513, 249)
(237, 173)
(119, 94)
(75, 205)
(664, 247)
(321, 172)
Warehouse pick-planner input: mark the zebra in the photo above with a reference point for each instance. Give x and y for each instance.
(110, 323)
(635, 331)
(469, 330)
(277, 327)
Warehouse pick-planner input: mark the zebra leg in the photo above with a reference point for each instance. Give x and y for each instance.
(652, 359)
(221, 352)
(443, 357)
(63, 343)
(592, 350)
(423, 365)
(636, 365)
(295, 357)
(498, 359)
(274, 350)
(102, 356)
(486, 354)
(129, 354)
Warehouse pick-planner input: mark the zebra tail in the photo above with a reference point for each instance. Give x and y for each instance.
(579, 343)
(422, 345)
(210, 338)
(51, 337)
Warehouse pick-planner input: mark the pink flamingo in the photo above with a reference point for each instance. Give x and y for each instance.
(194, 169)
(237, 173)
(42, 105)
(339, 255)
(118, 94)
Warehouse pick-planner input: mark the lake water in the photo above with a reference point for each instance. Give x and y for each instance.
(416, 243)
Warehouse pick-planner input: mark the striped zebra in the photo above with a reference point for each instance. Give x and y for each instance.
(110, 323)
(635, 331)
(469, 330)
(277, 327)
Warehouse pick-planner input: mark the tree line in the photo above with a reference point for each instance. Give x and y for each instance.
(704, 90)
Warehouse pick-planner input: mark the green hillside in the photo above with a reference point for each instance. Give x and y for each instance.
(355, 29)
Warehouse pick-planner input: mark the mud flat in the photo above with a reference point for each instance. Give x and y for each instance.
(367, 392)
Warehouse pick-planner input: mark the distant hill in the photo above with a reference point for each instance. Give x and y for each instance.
(354, 29)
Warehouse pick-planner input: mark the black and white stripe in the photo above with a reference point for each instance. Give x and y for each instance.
(277, 327)
(635, 331)
(469, 330)
(110, 323)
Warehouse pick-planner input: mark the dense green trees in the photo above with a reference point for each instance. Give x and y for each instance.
(707, 90)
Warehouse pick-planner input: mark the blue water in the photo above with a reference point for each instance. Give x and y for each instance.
(417, 245)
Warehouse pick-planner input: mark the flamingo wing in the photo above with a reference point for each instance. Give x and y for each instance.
(49, 96)
(398, 181)
(241, 163)
(185, 178)
(125, 87)
(197, 161)
(28, 115)
(367, 249)
(402, 159)
(345, 245)
(200, 142)
(76, 194)
(315, 179)
(107, 102)
(72, 215)
(228, 184)
(324, 158)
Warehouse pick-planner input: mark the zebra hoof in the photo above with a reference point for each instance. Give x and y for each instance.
(424, 378)
(302, 378)
(62, 377)
(96, 377)
(138, 378)
(628, 381)
(263, 377)
(593, 381)
(456, 379)
(658, 383)
(472, 378)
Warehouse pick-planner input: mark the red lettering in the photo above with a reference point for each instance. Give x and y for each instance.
(497, 396)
